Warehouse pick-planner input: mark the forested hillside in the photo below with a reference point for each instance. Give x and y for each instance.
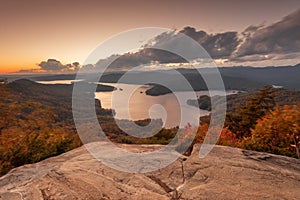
(234, 101)
(36, 123)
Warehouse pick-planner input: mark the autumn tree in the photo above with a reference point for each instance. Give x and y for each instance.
(256, 107)
(29, 132)
(226, 138)
(276, 132)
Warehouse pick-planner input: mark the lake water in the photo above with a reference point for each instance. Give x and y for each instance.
(58, 82)
(131, 102)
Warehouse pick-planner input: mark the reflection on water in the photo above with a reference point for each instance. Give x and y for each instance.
(142, 106)
(58, 82)
(138, 105)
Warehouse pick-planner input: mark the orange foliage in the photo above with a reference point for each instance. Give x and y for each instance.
(29, 133)
(226, 137)
(275, 131)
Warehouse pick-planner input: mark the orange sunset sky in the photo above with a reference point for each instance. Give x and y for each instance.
(35, 30)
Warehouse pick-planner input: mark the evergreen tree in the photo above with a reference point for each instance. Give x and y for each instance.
(256, 107)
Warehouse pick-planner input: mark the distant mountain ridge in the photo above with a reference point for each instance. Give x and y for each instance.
(286, 76)
(234, 78)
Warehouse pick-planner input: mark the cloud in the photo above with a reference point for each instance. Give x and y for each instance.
(217, 45)
(281, 37)
(257, 45)
(221, 45)
(259, 60)
(53, 66)
(248, 32)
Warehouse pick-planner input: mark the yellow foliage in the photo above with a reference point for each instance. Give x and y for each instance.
(29, 133)
(274, 132)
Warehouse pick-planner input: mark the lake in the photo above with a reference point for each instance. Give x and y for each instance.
(137, 105)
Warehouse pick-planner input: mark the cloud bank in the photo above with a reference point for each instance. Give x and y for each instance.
(53, 66)
(257, 45)
(282, 37)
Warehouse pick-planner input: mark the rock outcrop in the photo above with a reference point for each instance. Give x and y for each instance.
(226, 173)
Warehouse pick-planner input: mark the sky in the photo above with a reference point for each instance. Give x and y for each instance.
(33, 31)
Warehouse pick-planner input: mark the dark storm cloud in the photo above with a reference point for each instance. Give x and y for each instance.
(280, 37)
(221, 45)
(278, 41)
(217, 45)
(251, 29)
(256, 43)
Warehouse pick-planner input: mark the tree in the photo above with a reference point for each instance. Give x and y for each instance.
(29, 132)
(227, 138)
(256, 107)
(276, 132)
